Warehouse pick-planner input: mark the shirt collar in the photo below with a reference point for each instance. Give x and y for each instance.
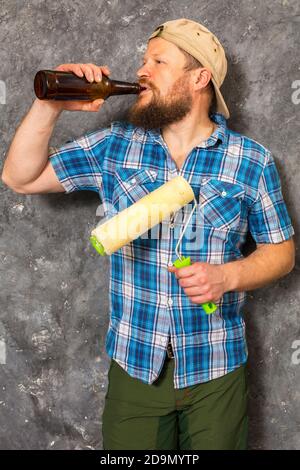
(221, 131)
(219, 134)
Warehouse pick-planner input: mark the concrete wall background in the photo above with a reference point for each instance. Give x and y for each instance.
(54, 287)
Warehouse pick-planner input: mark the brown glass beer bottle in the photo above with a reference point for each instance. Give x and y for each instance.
(66, 86)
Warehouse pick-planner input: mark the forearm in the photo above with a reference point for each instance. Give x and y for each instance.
(266, 264)
(28, 152)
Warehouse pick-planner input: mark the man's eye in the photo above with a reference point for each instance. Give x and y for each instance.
(157, 61)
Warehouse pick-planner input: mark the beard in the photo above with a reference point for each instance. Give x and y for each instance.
(159, 111)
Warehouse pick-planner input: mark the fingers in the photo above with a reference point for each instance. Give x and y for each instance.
(172, 269)
(196, 291)
(202, 299)
(92, 72)
(106, 69)
(92, 106)
(188, 281)
(187, 271)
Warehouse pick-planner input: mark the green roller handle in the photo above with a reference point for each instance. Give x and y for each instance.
(97, 245)
(208, 307)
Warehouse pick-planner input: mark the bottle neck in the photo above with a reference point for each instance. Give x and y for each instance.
(124, 88)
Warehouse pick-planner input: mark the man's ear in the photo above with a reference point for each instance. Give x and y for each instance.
(201, 78)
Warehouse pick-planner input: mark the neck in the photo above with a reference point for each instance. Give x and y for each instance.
(191, 130)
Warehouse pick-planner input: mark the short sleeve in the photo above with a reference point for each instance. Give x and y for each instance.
(78, 163)
(269, 221)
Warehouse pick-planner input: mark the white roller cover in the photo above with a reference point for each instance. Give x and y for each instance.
(141, 216)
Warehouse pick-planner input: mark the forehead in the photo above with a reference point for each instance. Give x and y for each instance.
(163, 47)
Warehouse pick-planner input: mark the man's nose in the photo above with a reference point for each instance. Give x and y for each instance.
(143, 71)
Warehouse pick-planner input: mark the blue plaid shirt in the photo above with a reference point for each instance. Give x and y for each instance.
(237, 189)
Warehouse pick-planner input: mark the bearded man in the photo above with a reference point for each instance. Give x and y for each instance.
(177, 377)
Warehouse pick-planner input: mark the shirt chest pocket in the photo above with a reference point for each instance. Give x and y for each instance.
(131, 185)
(220, 204)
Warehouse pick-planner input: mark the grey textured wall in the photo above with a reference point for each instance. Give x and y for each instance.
(54, 287)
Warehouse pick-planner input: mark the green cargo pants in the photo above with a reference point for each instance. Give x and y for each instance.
(210, 415)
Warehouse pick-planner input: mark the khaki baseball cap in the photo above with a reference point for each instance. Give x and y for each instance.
(202, 44)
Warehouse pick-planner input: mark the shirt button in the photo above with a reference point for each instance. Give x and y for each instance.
(170, 302)
(171, 225)
(133, 181)
(170, 263)
(223, 193)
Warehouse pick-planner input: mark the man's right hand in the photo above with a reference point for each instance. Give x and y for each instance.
(93, 73)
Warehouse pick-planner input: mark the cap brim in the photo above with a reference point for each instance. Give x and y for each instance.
(221, 105)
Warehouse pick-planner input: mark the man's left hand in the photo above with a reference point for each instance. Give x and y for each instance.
(202, 282)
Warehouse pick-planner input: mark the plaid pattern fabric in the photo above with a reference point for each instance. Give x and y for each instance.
(237, 189)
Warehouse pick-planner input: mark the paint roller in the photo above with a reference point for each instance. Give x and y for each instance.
(144, 214)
